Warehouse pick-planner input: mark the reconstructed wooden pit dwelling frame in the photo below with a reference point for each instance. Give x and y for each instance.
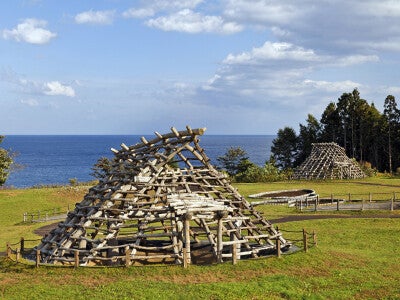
(328, 161)
(162, 202)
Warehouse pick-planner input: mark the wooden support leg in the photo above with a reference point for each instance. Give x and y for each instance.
(186, 228)
(219, 241)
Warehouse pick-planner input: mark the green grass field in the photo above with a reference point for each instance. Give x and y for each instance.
(356, 258)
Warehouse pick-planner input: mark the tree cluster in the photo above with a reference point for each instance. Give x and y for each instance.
(6, 161)
(367, 135)
(240, 169)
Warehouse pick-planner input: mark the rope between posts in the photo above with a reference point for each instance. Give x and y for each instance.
(291, 231)
(36, 240)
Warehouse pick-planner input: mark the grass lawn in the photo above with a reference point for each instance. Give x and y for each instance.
(357, 258)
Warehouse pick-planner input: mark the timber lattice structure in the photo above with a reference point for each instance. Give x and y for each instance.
(328, 161)
(162, 202)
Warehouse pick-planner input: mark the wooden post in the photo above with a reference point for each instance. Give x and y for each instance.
(234, 254)
(8, 250)
(337, 204)
(316, 204)
(362, 204)
(278, 247)
(37, 258)
(370, 197)
(332, 199)
(314, 235)
(186, 229)
(349, 197)
(234, 249)
(22, 245)
(185, 260)
(128, 257)
(305, 245)
(219, 240)
(392, 204)
(76, 259)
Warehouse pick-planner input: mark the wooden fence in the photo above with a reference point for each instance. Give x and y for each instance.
(45, 215)
(350, 201)
(18, 250)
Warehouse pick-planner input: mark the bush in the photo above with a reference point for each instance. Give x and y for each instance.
(367, 168)
(254, 173)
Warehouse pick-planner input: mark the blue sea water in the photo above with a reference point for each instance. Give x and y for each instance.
(54, 159)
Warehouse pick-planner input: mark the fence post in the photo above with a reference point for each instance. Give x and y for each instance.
(278, 247)
(370, 197)
(332, 199)
(314, 235)
(128, 257)
(37, 258)
(392, 204)
(349, 197)
(185, 261)
(305, 240)
(316, 204)
(337, 204)
(76, 259)
(362, 204)
(234, 254)
(8, 251)
(22, 245)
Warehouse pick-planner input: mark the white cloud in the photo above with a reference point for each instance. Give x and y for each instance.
(55, 88)
(30, 31)
(30, 102)
(336, 87)
(139, 13)
(104, 17)
(152, 7)
(272, 51)
(265, 12)
(191, 22)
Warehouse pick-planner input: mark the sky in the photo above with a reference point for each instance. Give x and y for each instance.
(233, 66)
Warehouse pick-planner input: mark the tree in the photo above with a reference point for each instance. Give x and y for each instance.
(330, 121)
(392, 115)
(284, 148)
(309, 134)
(6, 161)
(102, 168)
(233, 160)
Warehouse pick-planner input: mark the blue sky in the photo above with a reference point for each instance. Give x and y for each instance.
(233, 66)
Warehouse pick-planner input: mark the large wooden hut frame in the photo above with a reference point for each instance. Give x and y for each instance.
(161, 202)
(328, 161)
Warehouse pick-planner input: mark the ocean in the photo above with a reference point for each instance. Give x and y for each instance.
(54, 159)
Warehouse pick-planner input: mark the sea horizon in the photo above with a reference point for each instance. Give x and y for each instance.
(55, 159)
